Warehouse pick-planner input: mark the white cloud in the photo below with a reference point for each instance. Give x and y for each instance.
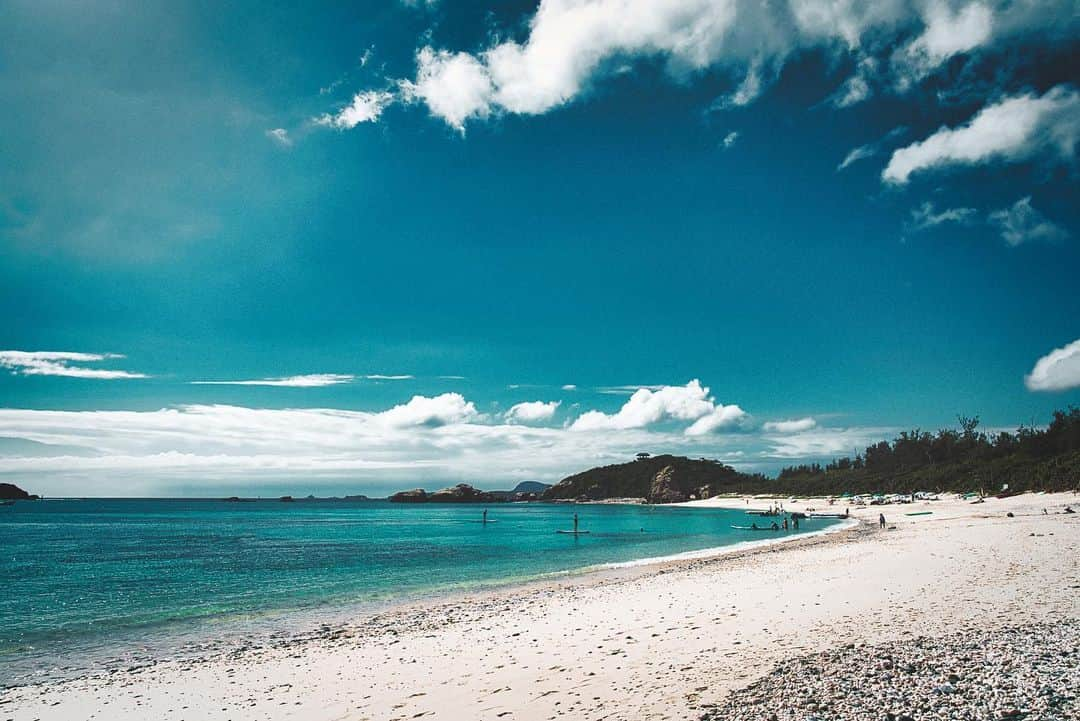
(628, 390)
(748, 90)
(314, 380)
(1013, 129)
(1058, 370)
(730, 138)
(573, 44)
(532, 411)
(668, 403)
(857, 88)
(427, 441)
(1020, 223)
(280, 136)
(366, 107)
(455, 86)
(568, 41)
(947, 33)
(823, 442)
(438, 411)
(58, 363)
(856, 154)
(926, 216)
(721, 418)
(870, 149)
(798, 425)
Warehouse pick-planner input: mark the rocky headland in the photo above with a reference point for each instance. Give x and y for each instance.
(11, 492)
(657, 479)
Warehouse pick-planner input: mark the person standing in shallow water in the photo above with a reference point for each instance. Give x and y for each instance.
(881, 520)
(485, 515)
(575, 523)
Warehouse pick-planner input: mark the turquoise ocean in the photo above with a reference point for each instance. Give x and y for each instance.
(86, 582)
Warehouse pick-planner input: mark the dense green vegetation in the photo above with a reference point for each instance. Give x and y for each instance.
(963, 459)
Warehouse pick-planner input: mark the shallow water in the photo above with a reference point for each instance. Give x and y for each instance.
(86, 577)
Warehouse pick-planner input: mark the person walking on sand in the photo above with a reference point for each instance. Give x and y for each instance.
(881, 520)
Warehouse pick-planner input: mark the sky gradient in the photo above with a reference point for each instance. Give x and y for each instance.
(345, 248)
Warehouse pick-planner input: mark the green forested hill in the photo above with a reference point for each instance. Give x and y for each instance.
(635, 479)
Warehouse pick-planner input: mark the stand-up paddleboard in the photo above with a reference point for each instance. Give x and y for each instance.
(574, 533)
(751, 528)
(485, 522)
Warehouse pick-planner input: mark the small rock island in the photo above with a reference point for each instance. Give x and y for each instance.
(465, 493)
(11, 492)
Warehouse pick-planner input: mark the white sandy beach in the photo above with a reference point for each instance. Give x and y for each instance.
(656, 642)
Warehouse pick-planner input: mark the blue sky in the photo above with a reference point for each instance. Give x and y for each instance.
(838, 221)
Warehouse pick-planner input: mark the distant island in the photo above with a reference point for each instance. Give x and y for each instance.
(465, 493)
(11, 492)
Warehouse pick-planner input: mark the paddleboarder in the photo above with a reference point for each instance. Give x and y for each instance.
(485, 515)
(575, 524)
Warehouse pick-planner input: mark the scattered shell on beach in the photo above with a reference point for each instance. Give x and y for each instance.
(1028, 672)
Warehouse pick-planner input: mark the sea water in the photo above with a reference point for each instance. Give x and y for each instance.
(83, 580)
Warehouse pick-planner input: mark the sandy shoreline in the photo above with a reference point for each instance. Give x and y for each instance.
(643, 642)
